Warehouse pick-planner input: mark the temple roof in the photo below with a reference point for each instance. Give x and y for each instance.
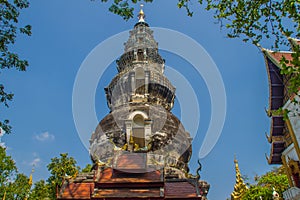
(112, 184)
(276, 85)
(276, 101)
(278, 95)
(276, 151)
(105, 182)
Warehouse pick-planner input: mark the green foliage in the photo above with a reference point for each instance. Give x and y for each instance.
(255, 192)
(61, 168)
(9, 29)
(40, 191)
(123, 8)
(8, 170)
(292, 69)
(248, 19)
(257, 20)
(264, 185)
(19, 189)
(15, 185)
(185, 4)
(88, 168)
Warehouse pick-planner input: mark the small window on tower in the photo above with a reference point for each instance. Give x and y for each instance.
(140, 55)
(138, 131)
(140, 80)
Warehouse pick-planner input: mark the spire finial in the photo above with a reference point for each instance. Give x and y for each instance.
(240, 187)
(141, 15)
(235, 160)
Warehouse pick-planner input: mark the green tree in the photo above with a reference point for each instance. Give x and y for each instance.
(264, 184)
(40, 191)
(60, 169)
(256, 21)
(19, 189)
(8, 170)
(13, 184)
(9, 29)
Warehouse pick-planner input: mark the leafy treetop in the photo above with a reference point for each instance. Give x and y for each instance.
(9, 29)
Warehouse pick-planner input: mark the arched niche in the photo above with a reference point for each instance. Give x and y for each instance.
(138, 130)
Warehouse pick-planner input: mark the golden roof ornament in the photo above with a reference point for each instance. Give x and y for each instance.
(141, 15)
(240, 187)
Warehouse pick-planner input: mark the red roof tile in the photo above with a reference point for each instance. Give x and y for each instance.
(278, 56)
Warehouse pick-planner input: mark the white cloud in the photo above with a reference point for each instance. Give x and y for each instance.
(35, 162)
(46, 136)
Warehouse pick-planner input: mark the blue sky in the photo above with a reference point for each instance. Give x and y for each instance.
(65, 32)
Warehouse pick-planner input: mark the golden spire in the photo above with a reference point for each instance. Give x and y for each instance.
(30, 177)
(141, 15)
(29, 183)
(240, 187)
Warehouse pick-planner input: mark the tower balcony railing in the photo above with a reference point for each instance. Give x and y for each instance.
(292, 193)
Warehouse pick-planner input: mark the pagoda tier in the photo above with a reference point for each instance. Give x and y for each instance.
(140, 98)
(140, 77)
(141, 84)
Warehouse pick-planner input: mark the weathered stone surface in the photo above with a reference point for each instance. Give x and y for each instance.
(155, 88)
(168, 136)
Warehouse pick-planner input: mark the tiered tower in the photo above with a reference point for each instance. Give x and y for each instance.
(140, 150)
(140, 99)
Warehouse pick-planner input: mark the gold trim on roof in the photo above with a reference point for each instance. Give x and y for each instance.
(240, 188)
